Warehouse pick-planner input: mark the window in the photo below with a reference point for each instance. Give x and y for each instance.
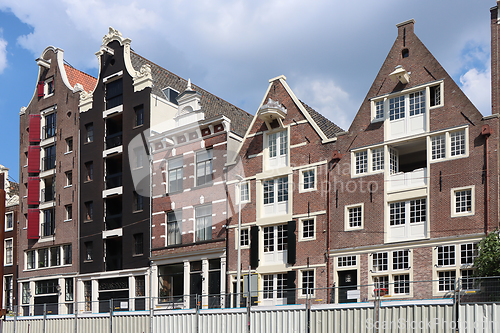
(245, 237)
(139, 154)
(8, 260)
(446, 255)
(67, 254)
(308, 180)
(49, 130)
(9, 221)
(49, 223)
(89, 171)
(171, 95)
(377, 159)
(204, 167)
(400, 260)
(397, 108)
(174, 220)
(114, 93)
(175, 174)
(8, 285)
(26, 293)
(88, 251)
(457, 140)
(417, 103)
(68, 290)
(447, 280)
(276, 196)
(244, 191)
(138, 202)
(307, 229)
(346, 261)
(467, 279)
(49, 160)
(171, 283)
(46, 287)
(274, 286)
(402, 284)
(462, 201)
(307, 282)
(140, 286)
(361, 162)
(354, 216)
(387, 268)
(49, 87)
(69, 212)
(43, 258)
(397, 213)
(435, 93)
(139, 115)
(69, 145)
(379, 110)
(380, 261)
(69, 178)
(467, 253)
(203, 223)
(89, 210)
(87, 295)
(438, 144)
(30, 260)
(89, 132)
(138, 244)
(275, 243)
(277, 145)
(407, 220)
(55, 256)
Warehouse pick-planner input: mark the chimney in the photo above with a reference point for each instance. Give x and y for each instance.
(404, 29)
(495, 89)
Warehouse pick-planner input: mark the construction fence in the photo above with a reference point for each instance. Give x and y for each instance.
(474, 309)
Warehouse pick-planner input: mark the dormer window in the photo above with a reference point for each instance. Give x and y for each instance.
(277, 146)
(171, 95)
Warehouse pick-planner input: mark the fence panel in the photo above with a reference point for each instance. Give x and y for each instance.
(126, 323)
(481, 317)
(347, 318)
(223, 321)
(174, 321)
(278, 319)
(92, 323)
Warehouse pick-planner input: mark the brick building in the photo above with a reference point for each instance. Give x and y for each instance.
(190, 201)
(48, 221)
(283, 161)
(414, 182)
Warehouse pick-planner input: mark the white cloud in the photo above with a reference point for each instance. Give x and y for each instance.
(477, 86)
(328, 98)
(3, 52)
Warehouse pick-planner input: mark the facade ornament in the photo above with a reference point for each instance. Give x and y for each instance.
(111, 34)
(273, 105)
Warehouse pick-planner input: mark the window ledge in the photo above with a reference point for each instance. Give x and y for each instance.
(67, 186)
(68, 220)
(68, 152)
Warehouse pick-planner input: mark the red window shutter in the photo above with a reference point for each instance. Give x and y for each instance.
(33, 190)
(34, 128)
(34, 159)
(39, 88)
(33, 223)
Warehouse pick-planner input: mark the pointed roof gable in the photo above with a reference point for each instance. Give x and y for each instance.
(422, 68)
(211, 104)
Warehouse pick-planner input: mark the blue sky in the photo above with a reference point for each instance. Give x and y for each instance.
(330, 51)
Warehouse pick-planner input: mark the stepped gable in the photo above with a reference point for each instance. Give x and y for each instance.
(211, 104)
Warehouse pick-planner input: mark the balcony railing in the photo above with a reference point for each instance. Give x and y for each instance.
(48, 194)
(114, 180)
(114, 140)
(49, 131)
(49, 162)
(113, 221)
(402, 180)
(48, 228)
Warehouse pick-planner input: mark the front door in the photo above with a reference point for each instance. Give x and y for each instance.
(348, 280)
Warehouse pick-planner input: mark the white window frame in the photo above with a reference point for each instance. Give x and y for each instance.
(205, 161)
(238, 238)
(46, 87)
(454, 191)
(348, 208)
(274, 300)
(447, 145)
(276, 207)
(301, 293)
(5, 261)
(406, 229)
(66, 212)
(275, 256)
(11, 214)
(301, 229)
(302, 188)
(239, 187)
(349, 260)
(370, 154)
(174, 167)
(390, 273)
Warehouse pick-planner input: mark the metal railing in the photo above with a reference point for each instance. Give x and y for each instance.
(113, 221)
(114, 180)
(48, 228)
(49, 131)
(48, 194)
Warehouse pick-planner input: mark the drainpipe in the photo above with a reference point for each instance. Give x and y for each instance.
(486, 132)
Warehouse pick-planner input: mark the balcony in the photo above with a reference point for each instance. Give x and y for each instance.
(48, 194)
(113, 140)
(406, 180)
(49, 131)
(113, 221)
(48, 162)
(48, 228)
